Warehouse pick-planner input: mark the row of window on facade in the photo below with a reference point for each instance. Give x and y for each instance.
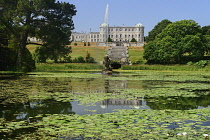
(111, 36)
(125, 36)
(126, 40)
(129, 29)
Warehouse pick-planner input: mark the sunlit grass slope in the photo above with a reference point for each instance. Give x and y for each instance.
(136, 53)
(97, 52)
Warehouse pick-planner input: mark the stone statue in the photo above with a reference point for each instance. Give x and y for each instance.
(107, 62)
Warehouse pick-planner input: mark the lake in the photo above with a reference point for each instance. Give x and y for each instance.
(89, 105)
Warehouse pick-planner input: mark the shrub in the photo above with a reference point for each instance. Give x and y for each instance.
(201, 63)
(67, 59)
(90, 60)
(80, 59)
(75, 44)
(190, 63)
(133, 40)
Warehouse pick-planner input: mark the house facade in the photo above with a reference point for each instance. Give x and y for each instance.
(116, 33)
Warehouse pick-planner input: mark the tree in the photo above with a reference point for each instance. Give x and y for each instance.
(48, 20)
(89, 59)
(157, 29)
(3, 37)
(179, 42)
(207, 40)
(109, 39)
(133, 40)
(206, 30)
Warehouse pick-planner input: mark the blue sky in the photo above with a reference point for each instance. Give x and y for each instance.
(90, 13)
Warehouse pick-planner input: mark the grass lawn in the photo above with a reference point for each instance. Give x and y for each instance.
(32, 47)
(136, 53)
(97, 52)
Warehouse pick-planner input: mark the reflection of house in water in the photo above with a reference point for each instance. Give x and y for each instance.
(111, 85)
(121, 102)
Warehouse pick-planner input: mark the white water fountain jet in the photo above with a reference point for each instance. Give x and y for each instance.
(106, 14)
(106, 22)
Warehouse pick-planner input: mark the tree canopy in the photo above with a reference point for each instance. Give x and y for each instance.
(49, 20)
(206, 30)
(109, 39)
(157, 29)
(179, 42)
(133, 40)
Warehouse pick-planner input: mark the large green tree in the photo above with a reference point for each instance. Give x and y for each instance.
(157, 29)
(179, 42)
(206, 30)
(49, 20)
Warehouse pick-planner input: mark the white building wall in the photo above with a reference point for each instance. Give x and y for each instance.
(123, 34)
(80, 37)
(118, 33)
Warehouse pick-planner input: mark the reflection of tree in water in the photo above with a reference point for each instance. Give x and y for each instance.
(32, 109)
(177, 103)
(53, 84)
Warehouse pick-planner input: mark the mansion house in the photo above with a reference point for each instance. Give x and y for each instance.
(116, 33)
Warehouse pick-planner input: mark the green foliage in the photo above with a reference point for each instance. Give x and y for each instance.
(133, 40)
(206, 30)
(84, 43)
(88, 43)
(50, 21)
(28, 61)
(199, 64)
(80, 59)
(157, 29)
(207, 40)
(66, 59)
(63, 67)
(171, 108)
(84, 67)
(40, 55)
(89, 59)
(7, 58)
(3, 35)
(43, 53)
(179, 42)
(189, 67)
(109, 39)
(75, 44)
